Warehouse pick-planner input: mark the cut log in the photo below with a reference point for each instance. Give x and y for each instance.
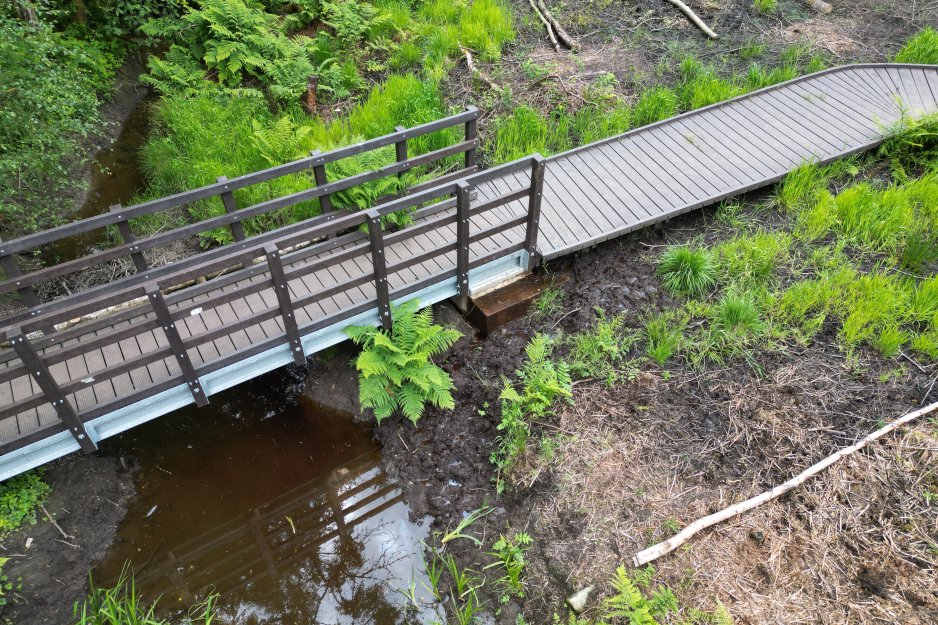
(669, 545)
(699, 23)
(819, 5)
(562, 35)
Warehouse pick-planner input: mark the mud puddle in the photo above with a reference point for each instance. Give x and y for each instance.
(274, 502)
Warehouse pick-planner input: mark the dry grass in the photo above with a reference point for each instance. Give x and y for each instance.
(857, 544)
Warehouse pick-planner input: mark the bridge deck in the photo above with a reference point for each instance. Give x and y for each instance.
(590, 194)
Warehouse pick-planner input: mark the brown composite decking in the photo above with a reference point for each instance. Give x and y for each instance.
(590, 194)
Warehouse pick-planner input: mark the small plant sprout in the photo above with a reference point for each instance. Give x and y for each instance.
(395, 370)
(464, 524)
(687, 271)
(510, 553)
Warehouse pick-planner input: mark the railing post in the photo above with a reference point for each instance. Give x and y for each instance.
(380, 267)
(155, 296)
(400, 148)
(319, 172)
(471, 133)
(231, 207)
(462, 244)
(50, 388)
(123, 226)
(534, 207)
(282, 289)
(8, 263)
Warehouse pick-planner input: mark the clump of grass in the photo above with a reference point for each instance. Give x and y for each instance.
(653, 105)
(801, 187)
(663, 334)
(524, 132)
(687, 271)
(765, 6)
(752, 259)
(921, 48)
(122, 604)
(548, 303)
(738, 314)
(700, 86)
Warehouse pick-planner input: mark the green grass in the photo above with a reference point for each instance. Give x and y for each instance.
(687, 271)
(765, 6)
(524, 132)
(752, 259)
(922, 48)
(599, 351)
(654, 104)
(663, 335)
(700, 85)
(122, 604)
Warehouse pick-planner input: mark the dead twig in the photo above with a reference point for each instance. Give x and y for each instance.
(669, 545)
(51, 520)
(699, 23)
(475, 71)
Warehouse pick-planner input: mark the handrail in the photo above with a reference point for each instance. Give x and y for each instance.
(233, 217)
(283, 262)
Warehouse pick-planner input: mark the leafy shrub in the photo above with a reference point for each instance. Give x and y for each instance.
(235, 39)
(395, 368)
(19, 498)
(687, 271)
(921, 48)
(51, 85)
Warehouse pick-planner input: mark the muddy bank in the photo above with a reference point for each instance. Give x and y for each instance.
(88, 500)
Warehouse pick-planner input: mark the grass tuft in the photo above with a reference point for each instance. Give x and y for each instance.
(687, 271)
(921, 48)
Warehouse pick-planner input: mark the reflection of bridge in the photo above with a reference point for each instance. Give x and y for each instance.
(248, 558)
(289, 292)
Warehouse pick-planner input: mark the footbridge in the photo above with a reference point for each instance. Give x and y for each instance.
(79, 365)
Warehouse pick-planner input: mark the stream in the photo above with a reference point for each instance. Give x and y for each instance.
(274, 502)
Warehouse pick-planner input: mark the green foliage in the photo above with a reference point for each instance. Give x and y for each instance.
(20, 497)
(598, 352)
(235, 40)
(395, 367)
(524, 132)
(765, 6)
(737, 314)
(653, 105)
(700, 86)
(912, 144)
(687, 271)
(51, 87)
(543, 382)
(752, 259)
(663, 335)
(802, 187)
(510, 554)
(921, 48)
(122, 604)
(548, 303)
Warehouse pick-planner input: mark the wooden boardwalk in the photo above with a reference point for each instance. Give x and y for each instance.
(288, 293)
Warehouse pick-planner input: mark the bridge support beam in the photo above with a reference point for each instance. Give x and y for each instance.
(50, 388)
(539, 163)
(376, 236)
(155, 296)
(287, 314)
(462, 244)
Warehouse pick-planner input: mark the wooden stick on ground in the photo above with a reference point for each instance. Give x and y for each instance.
(699, 23)
(662, 548)
(550, 29)
(475, 71)
(819, 5)
(561, 33)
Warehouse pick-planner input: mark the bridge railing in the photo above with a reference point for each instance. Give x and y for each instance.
(25, 281)
(377, 264)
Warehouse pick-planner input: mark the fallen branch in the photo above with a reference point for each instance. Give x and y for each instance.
(669, 545)
(819, 5)
(550, 29)
(561, 33)
(57, 526)
(699, 23)
(475, 71)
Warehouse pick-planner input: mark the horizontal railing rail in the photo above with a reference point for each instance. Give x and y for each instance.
(289, 255)
(24, 281)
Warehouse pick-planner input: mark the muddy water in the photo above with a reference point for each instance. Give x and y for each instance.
(275, 503)
(116, 178)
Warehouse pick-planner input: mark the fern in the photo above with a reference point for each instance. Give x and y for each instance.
(628, 602)
(395, 368)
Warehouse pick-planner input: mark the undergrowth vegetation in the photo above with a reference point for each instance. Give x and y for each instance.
(395, 367)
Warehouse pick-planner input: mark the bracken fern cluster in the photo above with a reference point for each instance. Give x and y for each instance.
(395, 367)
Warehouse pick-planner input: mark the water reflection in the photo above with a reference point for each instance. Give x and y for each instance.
(286, 513)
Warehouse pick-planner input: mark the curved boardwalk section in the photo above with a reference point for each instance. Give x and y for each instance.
(297, 287)
(603, 190)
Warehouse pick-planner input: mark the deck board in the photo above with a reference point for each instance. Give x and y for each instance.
(590, 194)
